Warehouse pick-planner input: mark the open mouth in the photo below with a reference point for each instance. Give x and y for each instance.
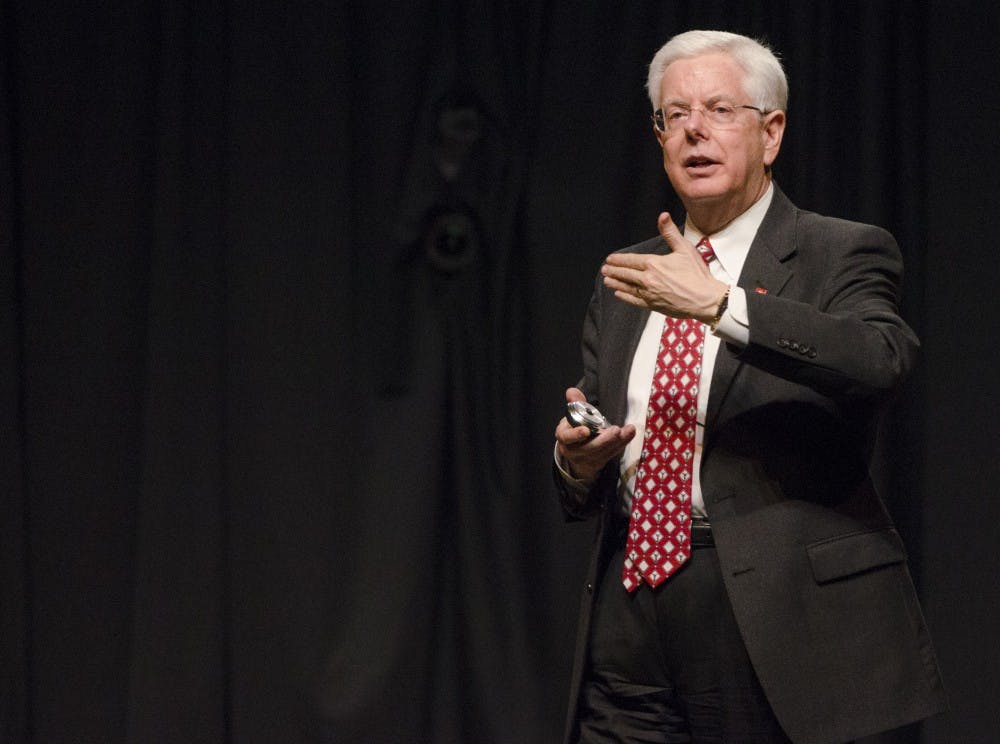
(698, 162)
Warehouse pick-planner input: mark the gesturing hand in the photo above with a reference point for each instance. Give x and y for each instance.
(677, 284)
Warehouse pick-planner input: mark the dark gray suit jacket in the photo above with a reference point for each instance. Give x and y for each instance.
(814, 569)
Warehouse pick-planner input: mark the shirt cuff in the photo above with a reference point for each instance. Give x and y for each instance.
(576, 485)
(734, 325)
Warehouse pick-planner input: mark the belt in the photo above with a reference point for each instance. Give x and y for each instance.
(701, 533)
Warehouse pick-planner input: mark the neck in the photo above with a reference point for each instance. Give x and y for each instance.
(711, 217)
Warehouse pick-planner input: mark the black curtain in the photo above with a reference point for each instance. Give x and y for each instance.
(291, 293)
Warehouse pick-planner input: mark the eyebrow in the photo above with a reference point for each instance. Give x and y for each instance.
(708, 101)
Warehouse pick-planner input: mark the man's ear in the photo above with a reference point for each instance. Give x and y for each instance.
(772, 132)
(661, 137)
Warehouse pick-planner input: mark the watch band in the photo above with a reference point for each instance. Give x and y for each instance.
(720, 311)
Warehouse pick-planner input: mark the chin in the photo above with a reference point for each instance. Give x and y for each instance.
(698, 186)
(702, 191)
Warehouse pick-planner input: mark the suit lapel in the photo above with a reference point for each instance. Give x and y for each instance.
(632, 321)
(766, 270)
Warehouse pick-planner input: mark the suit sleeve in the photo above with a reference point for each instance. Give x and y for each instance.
(850, 342)
(590, 341)
(575, 504)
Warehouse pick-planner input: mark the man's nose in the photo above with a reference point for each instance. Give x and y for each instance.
(696, 124)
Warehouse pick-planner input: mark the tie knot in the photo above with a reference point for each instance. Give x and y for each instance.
(705, 249)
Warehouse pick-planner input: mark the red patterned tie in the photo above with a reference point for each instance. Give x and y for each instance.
(659, 531)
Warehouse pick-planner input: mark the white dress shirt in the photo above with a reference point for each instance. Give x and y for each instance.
(731, 245)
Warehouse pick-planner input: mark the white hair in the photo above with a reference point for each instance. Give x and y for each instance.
(764, 79)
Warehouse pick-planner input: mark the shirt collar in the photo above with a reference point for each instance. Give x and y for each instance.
(731, 244)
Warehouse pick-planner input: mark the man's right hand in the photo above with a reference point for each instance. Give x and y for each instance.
(584, 455)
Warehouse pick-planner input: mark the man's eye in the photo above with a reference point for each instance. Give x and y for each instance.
(722, 109)
(676, 114)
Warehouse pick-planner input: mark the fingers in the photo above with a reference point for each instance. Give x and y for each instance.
(569, 435)
(576, 437)
(628, 267)
(672, 235)
(584, 453)
(627, 262)
(623, 272)
(588, 455)
(672, 283)
(566, 432)
(632, 299)
(626, 291)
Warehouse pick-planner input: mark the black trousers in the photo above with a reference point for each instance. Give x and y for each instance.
(668, 664)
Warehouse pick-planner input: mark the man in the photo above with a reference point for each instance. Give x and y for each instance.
(747, 583)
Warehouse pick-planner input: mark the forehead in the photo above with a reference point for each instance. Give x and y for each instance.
(701, 78)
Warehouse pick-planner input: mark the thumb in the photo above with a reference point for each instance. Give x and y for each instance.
(669, 232)
(574, 394)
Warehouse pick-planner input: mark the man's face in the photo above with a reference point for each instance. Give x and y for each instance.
(719, 170)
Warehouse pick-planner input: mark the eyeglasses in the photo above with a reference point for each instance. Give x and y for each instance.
(720, 114)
